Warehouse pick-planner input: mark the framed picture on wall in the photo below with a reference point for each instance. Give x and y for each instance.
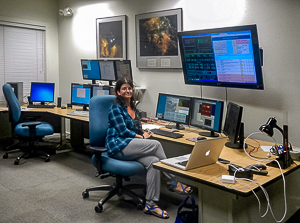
(111, 38)
(156, 39)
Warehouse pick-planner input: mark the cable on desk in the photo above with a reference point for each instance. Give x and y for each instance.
(265, 192)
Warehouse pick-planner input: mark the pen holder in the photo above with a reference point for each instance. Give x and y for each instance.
(285, 160)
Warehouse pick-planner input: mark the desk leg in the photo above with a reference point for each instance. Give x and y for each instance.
(62, 137)
(200, 205)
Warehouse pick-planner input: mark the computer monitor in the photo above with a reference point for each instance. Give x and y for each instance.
(174, 108)
(233, 126)
(90, 70)
(207, 114)
(123, 69)
(99, 90)
(222, 57)
(42, 92)
(81, 95)
(107, 71)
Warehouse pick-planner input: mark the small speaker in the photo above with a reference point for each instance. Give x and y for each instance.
(69, 105)
(29, 101)
(58, 102)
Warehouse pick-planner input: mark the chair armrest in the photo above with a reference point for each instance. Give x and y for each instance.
(31, 124)
(97, 149)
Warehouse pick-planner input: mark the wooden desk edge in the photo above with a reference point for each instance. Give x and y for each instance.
(181, 173)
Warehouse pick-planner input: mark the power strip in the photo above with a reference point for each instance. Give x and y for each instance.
(228, 179)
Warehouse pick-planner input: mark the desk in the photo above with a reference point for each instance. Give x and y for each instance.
(56, 117)
(237, 202)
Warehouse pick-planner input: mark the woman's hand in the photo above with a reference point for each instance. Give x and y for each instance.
(147, 134)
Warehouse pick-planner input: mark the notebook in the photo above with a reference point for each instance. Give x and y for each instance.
(205, 152)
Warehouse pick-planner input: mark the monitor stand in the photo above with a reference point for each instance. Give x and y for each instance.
(209, 134)
(177, 126)
(240, 142)
(84, 108)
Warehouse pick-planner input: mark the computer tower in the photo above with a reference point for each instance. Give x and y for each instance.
(18, 90)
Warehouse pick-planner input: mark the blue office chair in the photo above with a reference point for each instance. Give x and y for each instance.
(106, 166)
(29, 131)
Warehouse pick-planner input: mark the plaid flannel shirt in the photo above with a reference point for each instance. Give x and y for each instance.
(121, 129)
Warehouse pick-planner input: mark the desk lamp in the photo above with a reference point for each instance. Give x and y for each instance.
(284, 157)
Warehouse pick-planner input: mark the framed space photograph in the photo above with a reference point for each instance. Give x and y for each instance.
(156, 39)
(111, 38)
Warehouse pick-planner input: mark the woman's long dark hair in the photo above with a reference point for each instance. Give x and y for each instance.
(119, 99)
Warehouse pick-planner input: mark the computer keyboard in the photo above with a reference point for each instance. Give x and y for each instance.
(79, 113)
(183, 163)
(40, 106)
(167, 133)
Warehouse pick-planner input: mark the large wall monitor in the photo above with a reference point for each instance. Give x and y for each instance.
(123, 68)
(81, 95)
(207, 114)
(223, 57)
(42, 92)
(173, 108)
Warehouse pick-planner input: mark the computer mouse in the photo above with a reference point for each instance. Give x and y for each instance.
(200, 138)
(63, 107)
(174, 130)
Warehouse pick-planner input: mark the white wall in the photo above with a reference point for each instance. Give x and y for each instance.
(278, 28)
(68, 39)
(43, 13)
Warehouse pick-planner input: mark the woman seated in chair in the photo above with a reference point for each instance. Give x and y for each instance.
(126, 140)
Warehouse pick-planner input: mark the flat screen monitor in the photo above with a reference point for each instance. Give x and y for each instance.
(123, 69)
(174, 108)
(81, 95)
(42, 92)
(222, 57)
(207, 114)
(90, 69)
(107, 70)
(99, 90)
(233, 126)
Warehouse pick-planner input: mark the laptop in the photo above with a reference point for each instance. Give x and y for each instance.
(205, 152)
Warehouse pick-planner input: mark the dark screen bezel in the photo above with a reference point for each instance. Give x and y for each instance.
(235, 137)
(256, 52)
(204, 127)
(187, 120)
(53, 84)
(84, 85)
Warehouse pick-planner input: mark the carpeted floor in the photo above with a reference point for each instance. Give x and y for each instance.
(50, 192)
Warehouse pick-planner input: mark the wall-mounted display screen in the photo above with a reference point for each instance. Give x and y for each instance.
(225, 57)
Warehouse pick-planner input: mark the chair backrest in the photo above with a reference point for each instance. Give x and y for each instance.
(98, 124)
(14, 107)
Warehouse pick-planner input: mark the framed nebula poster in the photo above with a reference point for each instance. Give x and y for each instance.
(111, 38)
(156, 39)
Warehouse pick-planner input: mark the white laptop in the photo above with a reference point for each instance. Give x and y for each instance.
(205, 152)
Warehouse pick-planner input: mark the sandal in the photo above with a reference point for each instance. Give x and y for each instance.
(184, 191)
(150, 211)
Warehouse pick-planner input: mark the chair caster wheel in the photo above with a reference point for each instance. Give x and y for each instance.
(16, 162)
(98, 208)
(140, 207)
(85, 194)
(5, 156)
(47, 159)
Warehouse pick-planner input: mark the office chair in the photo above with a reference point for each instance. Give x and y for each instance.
(29, 131)
(107, 166)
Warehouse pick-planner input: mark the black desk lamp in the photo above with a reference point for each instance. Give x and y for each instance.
(284, 158)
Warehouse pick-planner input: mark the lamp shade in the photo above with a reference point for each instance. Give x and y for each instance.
(267, 130)
(268, 127)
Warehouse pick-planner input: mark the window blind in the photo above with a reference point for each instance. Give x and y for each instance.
(22, 56)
